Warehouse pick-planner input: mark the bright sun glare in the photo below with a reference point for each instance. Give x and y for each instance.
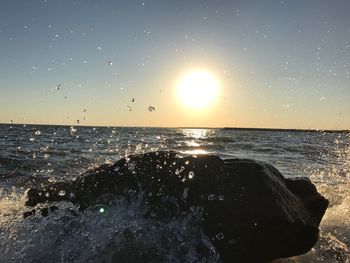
(197, 89)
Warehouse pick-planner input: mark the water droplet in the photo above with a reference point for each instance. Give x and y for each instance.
(110, 63)
(62, 193)
(211, 197)
(37, 132)
(187, 162)
(32, 139)
(132, 191)
(191, 175)
(52, 180)
(102, 210)
(47, 195)
(220, 236)
(131, 166)
(151, 108)
(221, 197)
(72, 130)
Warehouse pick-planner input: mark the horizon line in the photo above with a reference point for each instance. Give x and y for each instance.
(188, 127)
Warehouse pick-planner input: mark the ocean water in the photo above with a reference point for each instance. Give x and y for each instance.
(32, 155)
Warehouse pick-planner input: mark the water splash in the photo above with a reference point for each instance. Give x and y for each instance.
(117, 229)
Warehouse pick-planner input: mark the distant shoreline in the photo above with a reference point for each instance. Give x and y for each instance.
(284, 130)
(219, 128)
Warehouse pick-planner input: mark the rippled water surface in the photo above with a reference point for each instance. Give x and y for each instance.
(39, 155)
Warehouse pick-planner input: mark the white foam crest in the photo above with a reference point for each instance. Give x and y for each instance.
(11, 205)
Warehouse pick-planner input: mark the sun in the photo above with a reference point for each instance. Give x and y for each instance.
(197, 89)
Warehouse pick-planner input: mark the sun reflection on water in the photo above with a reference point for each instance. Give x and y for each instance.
(192, 143)
(195, 152)
(196, 133)
(195, 136)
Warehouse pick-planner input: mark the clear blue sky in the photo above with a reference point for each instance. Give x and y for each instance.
(280, 63)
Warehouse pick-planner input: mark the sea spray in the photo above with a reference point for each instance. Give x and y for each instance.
(112, 230)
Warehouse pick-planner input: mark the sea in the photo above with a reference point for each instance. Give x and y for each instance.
(38, 155)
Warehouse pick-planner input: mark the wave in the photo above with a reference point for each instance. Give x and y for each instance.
(218, 139)
(12, 164)
(112, 230)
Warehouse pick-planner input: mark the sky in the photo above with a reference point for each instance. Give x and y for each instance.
(279, 64)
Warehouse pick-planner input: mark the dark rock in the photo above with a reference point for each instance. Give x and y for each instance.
(251, 212)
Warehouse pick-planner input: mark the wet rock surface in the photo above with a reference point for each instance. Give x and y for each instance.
(251, 213)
